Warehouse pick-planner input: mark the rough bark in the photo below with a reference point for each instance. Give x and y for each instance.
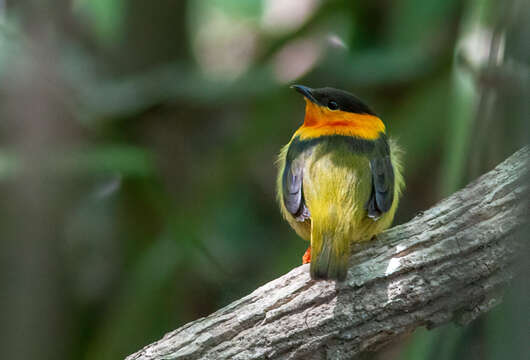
(449, 263)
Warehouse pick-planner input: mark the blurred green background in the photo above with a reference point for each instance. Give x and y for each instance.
(138, 141)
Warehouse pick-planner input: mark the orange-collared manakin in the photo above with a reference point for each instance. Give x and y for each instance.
(339, 178)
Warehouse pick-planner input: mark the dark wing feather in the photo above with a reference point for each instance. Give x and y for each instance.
(382, 194)
(292, 185)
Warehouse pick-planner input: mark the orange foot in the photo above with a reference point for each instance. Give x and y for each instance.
(306, 259)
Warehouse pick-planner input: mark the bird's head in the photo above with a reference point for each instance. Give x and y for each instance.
(332, 111)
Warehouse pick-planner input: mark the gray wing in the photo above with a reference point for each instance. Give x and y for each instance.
(292, 186)
(382, 194)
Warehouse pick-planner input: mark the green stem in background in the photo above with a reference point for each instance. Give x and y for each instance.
(459, 122)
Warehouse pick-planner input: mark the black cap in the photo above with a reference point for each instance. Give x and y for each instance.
(343, 99)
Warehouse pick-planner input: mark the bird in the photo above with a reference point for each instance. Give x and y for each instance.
(339, 178)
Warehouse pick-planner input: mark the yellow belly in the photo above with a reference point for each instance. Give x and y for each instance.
(336, 186)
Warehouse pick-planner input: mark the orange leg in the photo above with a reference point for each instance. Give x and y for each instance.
(306, 259)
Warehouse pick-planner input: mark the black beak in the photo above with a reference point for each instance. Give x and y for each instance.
(306, 91)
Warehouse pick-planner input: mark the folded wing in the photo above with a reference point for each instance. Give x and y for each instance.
(292, 187)
(382, 194)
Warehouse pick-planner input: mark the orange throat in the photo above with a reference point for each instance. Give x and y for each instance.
(321, 121)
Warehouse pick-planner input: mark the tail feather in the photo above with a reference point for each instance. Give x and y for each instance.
(328, 261)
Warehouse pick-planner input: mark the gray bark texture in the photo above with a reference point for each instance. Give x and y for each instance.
(449, 263)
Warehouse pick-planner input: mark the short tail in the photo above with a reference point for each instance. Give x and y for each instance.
(329, 258)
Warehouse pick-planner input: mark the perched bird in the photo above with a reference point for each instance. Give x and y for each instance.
(339, 178)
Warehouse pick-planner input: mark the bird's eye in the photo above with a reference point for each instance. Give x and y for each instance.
(332, 105)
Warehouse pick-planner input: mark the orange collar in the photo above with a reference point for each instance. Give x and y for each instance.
(321, 121)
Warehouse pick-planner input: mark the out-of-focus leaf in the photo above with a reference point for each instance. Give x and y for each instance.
(125, 160)
(105, 17)
(115, 98)
(416, 21)
(11, 44)
(247, 9)
(9, 165)
(379, 67)
(128, 161)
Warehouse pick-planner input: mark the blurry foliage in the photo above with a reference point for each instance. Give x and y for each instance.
(153, 129)
(104, 18)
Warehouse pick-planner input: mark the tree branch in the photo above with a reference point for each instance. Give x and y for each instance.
(449, 263)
